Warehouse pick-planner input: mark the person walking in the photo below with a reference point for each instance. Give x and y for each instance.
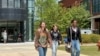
(42, 38)
(15, 35)
(74, 38)
(56, 39)
(4, 35)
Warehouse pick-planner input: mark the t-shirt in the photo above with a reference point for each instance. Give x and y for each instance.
(43, 39)
(55, 34)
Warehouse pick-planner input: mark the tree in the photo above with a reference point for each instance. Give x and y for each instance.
(52, 13)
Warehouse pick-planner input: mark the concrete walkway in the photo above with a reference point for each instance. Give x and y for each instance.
(24, 49)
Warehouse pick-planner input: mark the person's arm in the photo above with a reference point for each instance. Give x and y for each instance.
(49, 38)
(60, 37)
(68, 34)
(80, 39)
(36, 39)
(51, 34)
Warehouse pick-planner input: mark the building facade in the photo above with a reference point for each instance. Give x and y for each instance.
(70, 3)
(17, 17)
(95, 13)
(94, 7)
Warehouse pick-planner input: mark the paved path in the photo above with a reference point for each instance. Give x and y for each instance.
(24, 49)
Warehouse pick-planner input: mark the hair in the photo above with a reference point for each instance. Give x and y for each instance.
(73, 20)
(53, 28)
(40, 25)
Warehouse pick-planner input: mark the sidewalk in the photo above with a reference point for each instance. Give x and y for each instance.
(24, 49)
(85, 44)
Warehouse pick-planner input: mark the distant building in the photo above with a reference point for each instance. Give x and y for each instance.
(17, 15)
(70, 3)
(94, 7)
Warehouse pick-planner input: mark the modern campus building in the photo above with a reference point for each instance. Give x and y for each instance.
(17, 15)
(93, 6)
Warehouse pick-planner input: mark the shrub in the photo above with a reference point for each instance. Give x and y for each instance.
(90, 38)
(86, 38)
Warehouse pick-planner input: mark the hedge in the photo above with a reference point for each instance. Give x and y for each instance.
(88, 38)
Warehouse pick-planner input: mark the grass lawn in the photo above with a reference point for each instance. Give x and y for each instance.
(87, 50)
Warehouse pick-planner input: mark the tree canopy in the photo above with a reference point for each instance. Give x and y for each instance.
(52, 13)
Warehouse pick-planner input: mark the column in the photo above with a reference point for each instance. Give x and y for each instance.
(92, 24)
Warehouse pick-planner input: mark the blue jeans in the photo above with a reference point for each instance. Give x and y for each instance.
(54, 47)
(42, 51)
(75, 49)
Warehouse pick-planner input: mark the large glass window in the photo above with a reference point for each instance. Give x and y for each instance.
(17, 3)
(0, 3)
(30, 3)
(4, 3)
(96, 6)
(10, 3)
(23, 3)
(30, 10)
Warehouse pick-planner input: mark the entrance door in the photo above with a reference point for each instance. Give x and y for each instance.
(11, 27)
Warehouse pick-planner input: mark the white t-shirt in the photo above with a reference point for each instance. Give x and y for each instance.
(74, 29)
(4, 35)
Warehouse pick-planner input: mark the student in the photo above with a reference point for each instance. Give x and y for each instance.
(42, 38)
(56, 39)
(74, 38)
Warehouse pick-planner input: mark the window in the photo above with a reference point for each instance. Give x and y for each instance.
(10, 3)
(99, 6)
(30, 7)
(23, 3)
(30, 3)
(96, 6)
(17, 3)
(30, 10)
(0, 3)
(4, 3)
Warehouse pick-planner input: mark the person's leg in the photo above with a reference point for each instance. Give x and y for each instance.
(73, 48)
(45, 51)
(15, 38)
(56, 46)
(77, 48)
(41, 51)
(53, 48)
(5, 41)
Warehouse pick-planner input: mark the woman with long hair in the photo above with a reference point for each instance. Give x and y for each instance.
(56, 39)
(42, 38)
